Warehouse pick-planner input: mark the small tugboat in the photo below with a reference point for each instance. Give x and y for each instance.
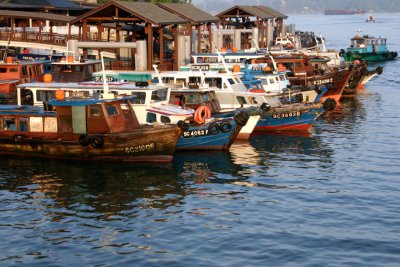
(86, 129)
(367, 48)
(370, 18)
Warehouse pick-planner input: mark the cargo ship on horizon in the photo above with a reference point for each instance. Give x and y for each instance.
(344, 11)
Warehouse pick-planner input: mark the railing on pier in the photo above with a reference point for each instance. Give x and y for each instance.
(43, 37)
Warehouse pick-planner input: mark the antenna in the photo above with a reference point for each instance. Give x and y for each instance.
(222, 58)
(158, 75)
(106, 92)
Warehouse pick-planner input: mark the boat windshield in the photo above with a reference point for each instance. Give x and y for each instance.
(159, 95)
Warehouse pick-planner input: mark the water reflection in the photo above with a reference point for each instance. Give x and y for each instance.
(100, 189)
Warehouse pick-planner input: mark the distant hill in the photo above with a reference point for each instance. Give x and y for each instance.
(303, 6)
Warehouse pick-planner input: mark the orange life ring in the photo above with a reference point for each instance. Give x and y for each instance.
(202, 113)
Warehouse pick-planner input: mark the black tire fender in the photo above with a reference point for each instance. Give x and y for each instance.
(265, 106)
(97, 141)
(183, 125)
(225, 126)
(341, 53)
(329, 104)
(242, 118)
(213, 128)
(364, 71)
(379, 70)
(84, 140)
(18, 138)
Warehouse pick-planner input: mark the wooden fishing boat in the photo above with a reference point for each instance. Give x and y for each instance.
(360, 76)
(151, 105)
(86, 129)
(313, 70)
(13, 73)
(367, 48)
(232, 94)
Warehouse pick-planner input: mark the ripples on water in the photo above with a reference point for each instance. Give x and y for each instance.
(325, 198)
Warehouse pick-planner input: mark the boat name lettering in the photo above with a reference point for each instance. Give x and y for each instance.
(286, 115)
(323, 81)
(108, 79)
(194, 133)
(210, 60)
(200, 67)
(257, 67)
(141, 148)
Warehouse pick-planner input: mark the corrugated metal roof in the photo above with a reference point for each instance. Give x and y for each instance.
(272, 11)
(146, 11)
(36, 15)
(189, 11)
(250, 10)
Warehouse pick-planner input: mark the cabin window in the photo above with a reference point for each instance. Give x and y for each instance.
(111, 110)
(23, 124)
(36, 124)
(192, 98)
(271, 80)
(214, 82)
(205, 98)
(165, 119)
(95, 111)
(252, 100)
(151, 117)
(180, 82)
(264, 82)
(43, 95)
(241, 100)
(9, 124)
(50, 124)
(231, 81)
(159, 95)
(3, 70)
(282, 77)
(24, 71)
(14, 70)
(139, 99)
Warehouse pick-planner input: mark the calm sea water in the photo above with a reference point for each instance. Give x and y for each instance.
(328, 198)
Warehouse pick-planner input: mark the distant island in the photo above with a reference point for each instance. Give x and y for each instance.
(304, 6)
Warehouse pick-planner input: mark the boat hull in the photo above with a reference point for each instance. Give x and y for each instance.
(290, 119)
(146, 144)
(370, 57)
(214, 135)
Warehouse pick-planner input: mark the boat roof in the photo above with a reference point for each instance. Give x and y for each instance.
(25, 62)
(90, 85)
(357, 37)
(86, 62)
(85, 101)
(230, 55)
(23, 110)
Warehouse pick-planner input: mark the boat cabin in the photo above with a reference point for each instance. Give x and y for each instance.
(368, 44)
(146, 98)
(83, 116)
(74, 71)
(13, 73)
